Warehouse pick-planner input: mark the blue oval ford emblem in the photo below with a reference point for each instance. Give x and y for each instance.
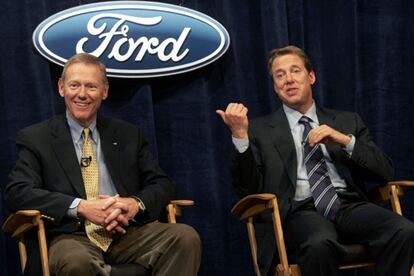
(134, 39)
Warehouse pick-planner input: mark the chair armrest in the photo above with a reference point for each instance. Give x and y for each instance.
(174, 208)
(385, 193)
(182, 202)
(17, 224)
(252, 205)
(402, 183)
(392, 189)
(395, 192)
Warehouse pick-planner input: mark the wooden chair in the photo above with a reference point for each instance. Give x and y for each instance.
(357, 256)
(19, 223)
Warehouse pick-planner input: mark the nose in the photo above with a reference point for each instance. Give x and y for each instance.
(82, 92)
(289, 77)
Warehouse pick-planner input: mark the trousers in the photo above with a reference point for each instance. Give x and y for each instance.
(165, 249)
(317, 243)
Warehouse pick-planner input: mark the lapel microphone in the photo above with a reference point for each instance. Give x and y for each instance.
(86, 161)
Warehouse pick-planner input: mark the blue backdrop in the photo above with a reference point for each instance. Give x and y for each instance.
(361, 50)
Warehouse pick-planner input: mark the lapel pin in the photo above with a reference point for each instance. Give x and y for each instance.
(115, 143)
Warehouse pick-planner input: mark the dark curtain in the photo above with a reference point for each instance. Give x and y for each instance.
(361, 51)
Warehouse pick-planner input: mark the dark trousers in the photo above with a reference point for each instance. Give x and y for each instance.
(317, 243)
(165, 249)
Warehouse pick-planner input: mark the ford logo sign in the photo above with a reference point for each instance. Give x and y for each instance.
(134, 39)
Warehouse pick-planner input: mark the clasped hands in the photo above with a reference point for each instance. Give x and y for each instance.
(111, 212)
(235, 117)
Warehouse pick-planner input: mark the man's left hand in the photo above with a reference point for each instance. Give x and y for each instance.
(122, 209)
(326, 135)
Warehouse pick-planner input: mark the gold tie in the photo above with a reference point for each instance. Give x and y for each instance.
(90, 173)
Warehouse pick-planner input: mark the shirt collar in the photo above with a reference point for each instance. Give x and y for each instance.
(293, 115)
(76, 129)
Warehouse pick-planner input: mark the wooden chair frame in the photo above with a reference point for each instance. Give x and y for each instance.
(19, 223)
(252, 205)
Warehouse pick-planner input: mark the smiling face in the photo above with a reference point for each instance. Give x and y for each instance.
(293, 82)
(83, 88)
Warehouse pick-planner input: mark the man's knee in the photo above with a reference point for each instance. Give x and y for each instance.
(72, 263)
(186, 238)
(405, 232)
(321, 246)
(70, 255)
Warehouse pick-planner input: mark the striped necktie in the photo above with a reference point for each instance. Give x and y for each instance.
(90, 173)
(323, 192)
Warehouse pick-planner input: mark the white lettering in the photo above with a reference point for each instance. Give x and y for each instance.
(124, 47)
(176, 46)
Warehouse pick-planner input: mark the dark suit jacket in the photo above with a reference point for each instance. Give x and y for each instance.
(47, 175)
(269, 165)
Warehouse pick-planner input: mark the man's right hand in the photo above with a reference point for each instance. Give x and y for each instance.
(235, 117)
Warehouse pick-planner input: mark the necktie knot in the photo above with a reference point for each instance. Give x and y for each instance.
(305, 120)
(86, 133)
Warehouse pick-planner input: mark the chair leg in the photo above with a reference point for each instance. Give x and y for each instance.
(278, 232)
(395, 201)
(171, 213)
(41, 235)
(253, 244)
(23, 254)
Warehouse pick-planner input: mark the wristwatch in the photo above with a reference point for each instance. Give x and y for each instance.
(141, 204)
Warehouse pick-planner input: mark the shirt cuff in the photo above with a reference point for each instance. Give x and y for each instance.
(72, 212)
(350, 146)
(241, 144)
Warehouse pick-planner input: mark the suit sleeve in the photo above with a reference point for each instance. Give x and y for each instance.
(26, 190)
(372, 164)
(156, 189)
(246, 170)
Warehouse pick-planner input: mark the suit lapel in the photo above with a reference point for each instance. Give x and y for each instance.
(283, 141)
(65, 153)
(110, 144)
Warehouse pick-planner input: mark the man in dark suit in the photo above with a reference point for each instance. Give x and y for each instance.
(316, 161)
(97, 183)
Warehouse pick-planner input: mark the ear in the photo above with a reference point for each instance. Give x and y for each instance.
(105, 92)
(312, 77)
(60, 87)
